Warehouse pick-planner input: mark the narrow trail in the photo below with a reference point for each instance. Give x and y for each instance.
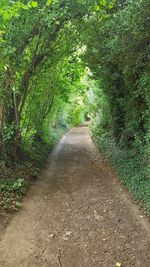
(76, 214)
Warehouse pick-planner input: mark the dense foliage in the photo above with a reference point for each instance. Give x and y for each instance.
(62, 60)
(118, 53)
(39, 69)
(42, 82)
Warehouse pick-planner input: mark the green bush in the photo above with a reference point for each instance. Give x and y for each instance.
(131, 167)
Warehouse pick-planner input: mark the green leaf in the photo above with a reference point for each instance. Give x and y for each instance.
(103, 2)
(7, 15)
(48, 2)
(2, 32)
(110, 6)
(57, 22)
(33, 4)
(96, 8)
(23, 6)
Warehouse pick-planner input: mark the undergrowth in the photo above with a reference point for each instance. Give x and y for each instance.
(131, 167)
(15, 178)
(11, 192)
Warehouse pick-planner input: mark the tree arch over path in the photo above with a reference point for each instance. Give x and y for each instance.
(42, 64)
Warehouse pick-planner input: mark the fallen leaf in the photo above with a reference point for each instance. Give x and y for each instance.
(118, 264)
(51, 235)
(68, 233)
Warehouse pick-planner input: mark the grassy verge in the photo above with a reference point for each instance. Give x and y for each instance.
(132, 168)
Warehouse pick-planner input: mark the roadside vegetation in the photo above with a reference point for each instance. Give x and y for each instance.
(118, 54)
(61, 63)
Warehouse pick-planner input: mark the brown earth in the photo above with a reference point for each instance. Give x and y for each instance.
(77, 214)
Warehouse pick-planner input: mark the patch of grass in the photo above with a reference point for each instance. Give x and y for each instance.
(132, 168)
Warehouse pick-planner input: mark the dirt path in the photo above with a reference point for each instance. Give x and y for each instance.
(77, 214)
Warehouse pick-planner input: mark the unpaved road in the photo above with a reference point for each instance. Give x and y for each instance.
(77, 214)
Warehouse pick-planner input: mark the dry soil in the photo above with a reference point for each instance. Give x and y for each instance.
(77, 214)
